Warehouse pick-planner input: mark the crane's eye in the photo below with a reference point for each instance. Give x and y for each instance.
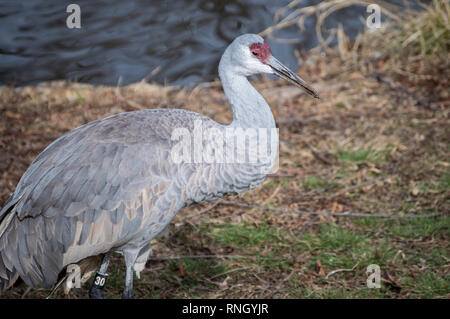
(254, 53)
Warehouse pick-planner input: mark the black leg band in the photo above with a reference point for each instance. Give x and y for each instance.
(99, 281)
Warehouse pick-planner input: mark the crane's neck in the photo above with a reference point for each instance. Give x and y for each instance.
(249, 107)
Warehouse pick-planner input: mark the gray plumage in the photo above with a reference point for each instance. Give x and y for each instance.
(111, 185)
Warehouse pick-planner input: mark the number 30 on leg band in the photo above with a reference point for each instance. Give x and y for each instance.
(100, 280)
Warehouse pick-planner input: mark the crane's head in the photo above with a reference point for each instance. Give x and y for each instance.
(249, 54)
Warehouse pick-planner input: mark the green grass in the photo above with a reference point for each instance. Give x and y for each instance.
(428, 285)
(418, 228)
(332, 237)
(195, 270)
(342, 293)
(437, 181)
(191, 281)
(432, 30)
(80, 97)
(245, 235)
(313, 182)
(360, 155)
(271, 253)
(263, 242)
(336, 247)
(413, 228)
(444, 181)
(283, 182)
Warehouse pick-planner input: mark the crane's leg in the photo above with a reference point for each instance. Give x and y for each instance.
(96, 291)
(130, 259)
(141, 260)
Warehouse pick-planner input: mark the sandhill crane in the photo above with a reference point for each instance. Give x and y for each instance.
(112, 185)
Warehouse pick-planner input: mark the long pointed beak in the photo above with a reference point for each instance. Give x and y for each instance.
(283, 72)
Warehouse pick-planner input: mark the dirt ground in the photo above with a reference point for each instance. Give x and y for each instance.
(364, 179)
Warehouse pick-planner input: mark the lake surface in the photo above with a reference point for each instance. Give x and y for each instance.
(128, 39)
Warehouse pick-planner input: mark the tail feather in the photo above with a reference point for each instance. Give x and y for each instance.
(8, 273)
(7, 277)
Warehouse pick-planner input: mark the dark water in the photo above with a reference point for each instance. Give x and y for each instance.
(130, 38)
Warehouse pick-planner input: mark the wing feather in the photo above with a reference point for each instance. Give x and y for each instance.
(92, 190)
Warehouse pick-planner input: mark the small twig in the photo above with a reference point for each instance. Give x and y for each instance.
(318, 190)
(268, 199)
(292, 121)
(318, 155)
(56, 287)
(353, 187)
(399, 252)
(321, 158)
(341, 270)
(196, 257)
(229, 271)
(151, 74)
(126, 100)
(204, 210)
(344, 214)
(281, 175)
(26, 292)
